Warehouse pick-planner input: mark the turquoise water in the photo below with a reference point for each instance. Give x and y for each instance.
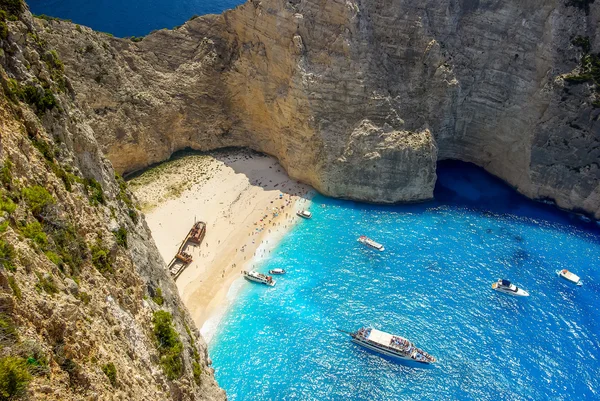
(432, 285)
(131, 17)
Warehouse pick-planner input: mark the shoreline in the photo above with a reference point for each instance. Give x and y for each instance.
(248, 203)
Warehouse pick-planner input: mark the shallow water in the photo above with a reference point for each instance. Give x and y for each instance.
(131, 17)
(431, 285)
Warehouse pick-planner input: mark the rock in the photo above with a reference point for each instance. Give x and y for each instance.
(72, 286)
(298, 79)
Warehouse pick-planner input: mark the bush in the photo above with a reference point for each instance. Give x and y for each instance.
(54, 258)
(12, 7)
(197, 370)
(168, 344)
(6, 173)
(14, 377)
(53, 61)
(34, 232)
(121, 237)
(7, 205)
(8, 331)
(94, 191)
(42, 99)
(158, 298)
(36, 358)
(37, 198)
(3, 30)
(101, 258)
(7, 255)
(111, 372)
(45, 148)
(12, 283)
(47, 284)
(70, 247)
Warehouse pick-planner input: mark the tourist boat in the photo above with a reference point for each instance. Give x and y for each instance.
(370, 243)
(258, 278)
(390, 345)
(572, 277)
(277, 271)
(305, 214)
(506, 287)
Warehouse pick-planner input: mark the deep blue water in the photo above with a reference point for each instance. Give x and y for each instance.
(431, 285)
(131, 17)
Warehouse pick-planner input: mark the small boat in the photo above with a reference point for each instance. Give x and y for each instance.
(277, 271)
(258, 278)
(390, 345)
(305, 214)
(370, 243)
(572, 277)
(506, 287)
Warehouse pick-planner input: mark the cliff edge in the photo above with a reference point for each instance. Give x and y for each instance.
(358, 98)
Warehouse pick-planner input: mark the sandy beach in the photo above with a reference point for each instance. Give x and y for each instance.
(248, 203)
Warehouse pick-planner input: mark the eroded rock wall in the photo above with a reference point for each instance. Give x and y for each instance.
(479, 81)
(80, 276)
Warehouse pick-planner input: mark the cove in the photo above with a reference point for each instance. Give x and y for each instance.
(431, 285)
(132, 17)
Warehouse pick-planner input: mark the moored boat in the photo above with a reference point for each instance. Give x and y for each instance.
(506, 287)
(277, 271)
(370, 243)
(258, 278)
(305, 214)
(569, 276)
(391, 345)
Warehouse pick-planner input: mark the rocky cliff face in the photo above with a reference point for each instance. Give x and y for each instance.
(87, 310)
(358, 98)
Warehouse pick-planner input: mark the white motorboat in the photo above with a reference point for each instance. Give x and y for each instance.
(370, 243)
(305, 214)
(390, 345)
(258, 278)
(569, 276)
(506, 287)
(277, 271)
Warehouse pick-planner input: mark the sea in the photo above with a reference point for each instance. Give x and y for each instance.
(432, 285)
(131, 17)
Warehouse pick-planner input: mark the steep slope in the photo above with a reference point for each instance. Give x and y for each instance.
(358, 98)
(87, 310)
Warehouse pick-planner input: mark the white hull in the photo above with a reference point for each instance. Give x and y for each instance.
(371, 244)
(519, 293)
(573, 278)
(387, 352)
(260, 280)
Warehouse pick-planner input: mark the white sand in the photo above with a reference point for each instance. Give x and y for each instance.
(231, 192)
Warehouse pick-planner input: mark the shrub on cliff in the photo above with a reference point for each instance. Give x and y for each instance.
(7, 255)
(14, 377)
(12, 7)
(94, 191)
(121, 237)
(168, 344)
(37, 198)
(34, 232)
(111, 372)
(101, 258)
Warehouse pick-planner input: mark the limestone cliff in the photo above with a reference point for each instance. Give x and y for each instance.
(87, 310)
(358, 98)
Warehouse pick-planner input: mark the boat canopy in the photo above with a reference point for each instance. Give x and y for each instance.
(506, 283)
(380, 337)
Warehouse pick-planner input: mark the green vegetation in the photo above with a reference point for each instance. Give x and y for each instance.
(37, 198)
(7, 255)
(101, 258)
(94, 191)
(8, 331)
(197, 370)
(168, 344)
(158, 298)
(12, 7)
(6, 173)
(68, 246)
(84, 297)
(121, 237)
(34, 232)
(37, 361)
(14, 377)
(12, 283)
(136, 38)
(111, 372)
(46, 283)
(3, 26)
(7, 205)
(49, 18)
(42, 99)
